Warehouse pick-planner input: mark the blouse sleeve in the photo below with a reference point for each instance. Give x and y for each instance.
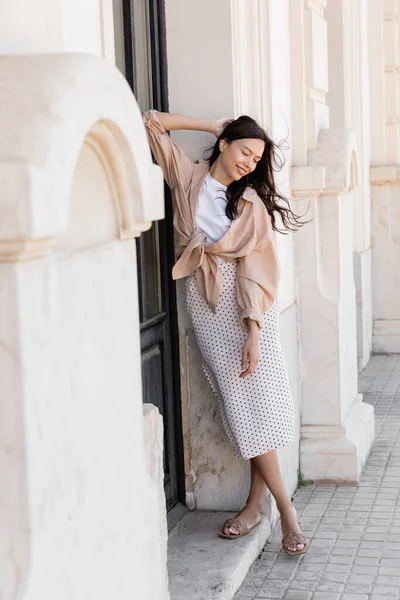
(258, 276)
(176, 166)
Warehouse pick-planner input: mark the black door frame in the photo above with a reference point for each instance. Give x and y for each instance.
(160, 325)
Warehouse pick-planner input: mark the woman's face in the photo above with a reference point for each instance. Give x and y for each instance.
(240, 157)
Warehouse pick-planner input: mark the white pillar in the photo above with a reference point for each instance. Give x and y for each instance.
(81, 511)
(384, 63)
(337, 428)
(349, 107)
(385, 197)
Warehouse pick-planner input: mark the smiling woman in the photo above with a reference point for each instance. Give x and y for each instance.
(224, 217)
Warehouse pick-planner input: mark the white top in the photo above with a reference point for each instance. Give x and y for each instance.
(211, 216)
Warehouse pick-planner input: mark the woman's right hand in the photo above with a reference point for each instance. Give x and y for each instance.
(221, 124)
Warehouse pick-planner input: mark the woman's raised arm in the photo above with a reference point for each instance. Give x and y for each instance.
(172, 122)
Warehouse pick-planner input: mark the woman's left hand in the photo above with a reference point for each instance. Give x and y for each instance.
(251, 352)
(221, 124)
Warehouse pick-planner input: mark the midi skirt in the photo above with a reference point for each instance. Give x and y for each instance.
(257, 411)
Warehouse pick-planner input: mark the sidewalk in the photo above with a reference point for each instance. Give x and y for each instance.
(355, 530)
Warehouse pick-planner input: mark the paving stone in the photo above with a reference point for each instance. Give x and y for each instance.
(302, 584)
(330, 586)
(377, 597)
(360, 579)
(297, 595)
(358, 589)
(364, 569)
(391, 571)
(362, 561)
(343, 551)
(386, 591)
(391, 580)
(282, 575)
(271, 594)
(333, 568)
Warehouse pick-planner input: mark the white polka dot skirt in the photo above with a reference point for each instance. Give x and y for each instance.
(257, 411)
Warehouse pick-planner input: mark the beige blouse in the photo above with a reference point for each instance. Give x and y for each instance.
(249, 240)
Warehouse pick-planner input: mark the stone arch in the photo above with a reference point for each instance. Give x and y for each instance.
(52, 103)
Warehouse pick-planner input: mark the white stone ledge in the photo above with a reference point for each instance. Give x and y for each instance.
(380, 175)
(203, 566)
(332, 168)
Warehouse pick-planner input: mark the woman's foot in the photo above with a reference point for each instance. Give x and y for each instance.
(249, 516)
(290, 525)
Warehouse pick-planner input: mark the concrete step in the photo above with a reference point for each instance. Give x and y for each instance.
(203, 566)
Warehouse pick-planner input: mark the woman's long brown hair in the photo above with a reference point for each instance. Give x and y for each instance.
(262, 178)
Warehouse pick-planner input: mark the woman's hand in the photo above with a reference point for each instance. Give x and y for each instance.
(221, 124)
(251, 352)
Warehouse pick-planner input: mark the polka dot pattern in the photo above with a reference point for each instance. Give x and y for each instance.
(257, 411)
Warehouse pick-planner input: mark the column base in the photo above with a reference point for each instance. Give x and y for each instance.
(386, 336)
(337, 453)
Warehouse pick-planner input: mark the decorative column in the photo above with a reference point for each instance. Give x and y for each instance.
(385, 198)
(337, 427)
(81, 511)
(384, 67)
(349, 108)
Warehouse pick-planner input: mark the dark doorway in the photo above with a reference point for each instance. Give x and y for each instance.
(141, 56)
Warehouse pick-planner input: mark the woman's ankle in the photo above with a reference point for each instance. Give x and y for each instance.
(254, 506)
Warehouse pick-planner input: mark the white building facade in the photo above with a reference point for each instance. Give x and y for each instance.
(109, 432)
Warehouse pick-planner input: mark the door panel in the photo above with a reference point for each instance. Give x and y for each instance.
(141, 56)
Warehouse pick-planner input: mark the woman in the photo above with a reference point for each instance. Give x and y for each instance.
(224, 216)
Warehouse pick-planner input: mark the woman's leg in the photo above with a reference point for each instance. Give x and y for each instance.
(265, 470)
(268, 466)
(250, 515)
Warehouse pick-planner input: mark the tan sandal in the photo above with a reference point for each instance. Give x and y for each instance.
(292, 539)
(241, 527)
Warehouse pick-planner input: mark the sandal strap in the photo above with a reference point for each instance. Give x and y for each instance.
(241, 527)
(293, 538)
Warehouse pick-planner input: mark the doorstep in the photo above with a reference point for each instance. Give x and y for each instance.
(203, 566)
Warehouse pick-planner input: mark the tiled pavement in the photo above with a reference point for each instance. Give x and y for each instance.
(354, 552)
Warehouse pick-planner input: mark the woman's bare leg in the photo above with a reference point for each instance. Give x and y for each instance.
(268, 466)
(250, 515)
(265, 470)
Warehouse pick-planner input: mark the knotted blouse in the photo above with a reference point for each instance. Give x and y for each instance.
(249, 240)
